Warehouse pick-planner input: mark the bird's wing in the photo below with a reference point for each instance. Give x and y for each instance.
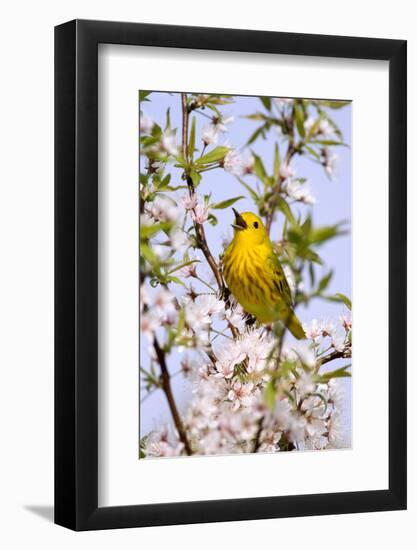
(279, 280)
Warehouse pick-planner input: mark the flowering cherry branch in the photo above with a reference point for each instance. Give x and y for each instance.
(166, 386)
(254, 390)
(199, 228)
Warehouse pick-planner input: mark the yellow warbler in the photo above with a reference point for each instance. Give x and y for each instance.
(255, 276)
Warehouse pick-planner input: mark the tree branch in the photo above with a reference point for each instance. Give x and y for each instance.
(166, 387)
(198, 227)
(343, 354)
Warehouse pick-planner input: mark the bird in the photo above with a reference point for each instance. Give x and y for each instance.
(254, 274)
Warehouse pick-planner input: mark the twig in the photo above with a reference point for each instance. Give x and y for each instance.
(166, 387)
(343, 354)
(199, 228)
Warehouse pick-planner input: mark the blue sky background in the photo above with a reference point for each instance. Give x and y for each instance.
(333, 204)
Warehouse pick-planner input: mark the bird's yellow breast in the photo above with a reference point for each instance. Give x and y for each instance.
(246, 273)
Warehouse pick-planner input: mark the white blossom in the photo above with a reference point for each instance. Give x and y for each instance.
(286, 171)
(200, 213)
(346, 321)
(299, 192)
(169, 143)
(233, 163)
(240, 394)
(163, 210)
(149, 323)
(210, 134)
(189, 202)
(146, 124)
(220, 123)
(189, 270)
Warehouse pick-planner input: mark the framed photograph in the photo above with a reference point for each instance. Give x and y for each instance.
(230, 229)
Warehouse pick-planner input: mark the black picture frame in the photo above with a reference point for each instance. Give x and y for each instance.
(76, 271)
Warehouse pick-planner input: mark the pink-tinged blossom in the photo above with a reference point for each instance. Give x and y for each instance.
(269, 441)
(336, 394)
(346, 321)
(300, 192)
(210, 135)
(232, 163)
(220, 123)
(248, 165)
(188, 202)
(337, 432)
(157, 444)
(328, 160)
(149, 323)
(200, 214)
(143, 297)
(163, 210)
(164, 306)
(188, 271)
(169, 143)
(328, 328)
(286, 171)
(146, 124)
(197, 317)
(178, 238)
(305, 384)
(313, 330)
(240, 394)
(210, 304)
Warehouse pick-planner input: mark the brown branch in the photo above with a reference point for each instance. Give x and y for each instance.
(343, 354)
(257, 442)
(198, 227)
(166, 387)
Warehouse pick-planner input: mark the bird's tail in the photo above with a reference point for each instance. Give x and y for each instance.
(294, 326)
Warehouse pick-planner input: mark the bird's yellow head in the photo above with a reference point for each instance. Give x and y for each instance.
(249, 229)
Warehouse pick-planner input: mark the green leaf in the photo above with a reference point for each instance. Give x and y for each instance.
(195, 178)
(312, 152)
(323, 233)
(338, 373)
(175, 280)
(344, 299)
(216, 155)
(156, 131)
(256, 134)
(276, 162)
(183, 264)
(334, 104)
(148, 231)
(299, 119)
(143, 94)
(311, 273)
(266, 102)
(212, 219)
(259, 169)
(168, 120)
(180, 160)
(270, 395)
(328, 142)
(324, 282)
(286, 210)
(191, 145)
(249, 189)
(228, 202)
(310, 255)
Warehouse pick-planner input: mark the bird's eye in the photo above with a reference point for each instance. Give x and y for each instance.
(255, 225)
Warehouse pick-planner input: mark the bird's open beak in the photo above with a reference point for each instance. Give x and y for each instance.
(239, 221)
